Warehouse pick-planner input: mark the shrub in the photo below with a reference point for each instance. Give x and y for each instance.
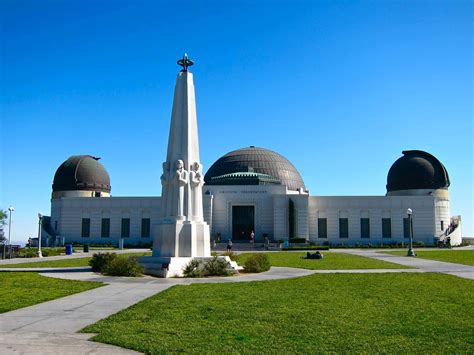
(28, 253)
(257, 263)
(51, 251)
(216, 267)
(308, 247)
(297, 240)
(99, 261)
(123, 266)
(193, 269)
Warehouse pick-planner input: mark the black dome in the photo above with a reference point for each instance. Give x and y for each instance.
(254, 166)
(417, 170)
(81, 172)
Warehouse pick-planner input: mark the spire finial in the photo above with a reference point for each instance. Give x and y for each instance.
(185, 62)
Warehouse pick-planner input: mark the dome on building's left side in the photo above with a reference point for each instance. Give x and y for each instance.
(81, 173)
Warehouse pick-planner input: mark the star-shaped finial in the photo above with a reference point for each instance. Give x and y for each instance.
(185, 62)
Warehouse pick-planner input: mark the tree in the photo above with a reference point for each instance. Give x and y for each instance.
(3, 222)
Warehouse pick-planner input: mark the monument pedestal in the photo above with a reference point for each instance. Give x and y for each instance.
(181, 239)
(176, 242)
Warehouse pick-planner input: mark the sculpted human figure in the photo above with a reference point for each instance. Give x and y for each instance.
(180, 181)
(164, 189)
(196, 181)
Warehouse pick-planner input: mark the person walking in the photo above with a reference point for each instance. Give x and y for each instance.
(252, 237)
(229, 246)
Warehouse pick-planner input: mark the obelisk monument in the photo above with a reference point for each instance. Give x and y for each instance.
(182, 233)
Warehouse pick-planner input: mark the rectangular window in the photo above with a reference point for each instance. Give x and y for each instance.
(105, 229)
(322, 228)
(343, 228)
(125, 228)
(442, 225)
(86, 228)
(364, 228)
(406, 229)
(386, 228)
(145, 227)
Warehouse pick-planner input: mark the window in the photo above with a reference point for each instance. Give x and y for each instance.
(343, 228)
(322, 228)
(386, 228)
(105, 229)
(442, 225)
(86, 228)
(125, 228)
(364, 228)
(406, 229)
(145, 227)
(56, 226)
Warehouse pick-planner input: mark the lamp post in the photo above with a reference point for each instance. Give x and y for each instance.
(410, 234)
(11, 209)
(40, 218)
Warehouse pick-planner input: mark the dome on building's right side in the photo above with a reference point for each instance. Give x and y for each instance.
(417, 169)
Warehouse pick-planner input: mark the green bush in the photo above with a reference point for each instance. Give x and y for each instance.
(297, 240)
(52, 251)
(216, 267)
(193, 269)
(309, 247)
(257, 263)
(99, 261)
(28, 253)
(123, 266)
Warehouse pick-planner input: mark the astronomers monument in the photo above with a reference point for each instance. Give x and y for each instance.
(181, 233)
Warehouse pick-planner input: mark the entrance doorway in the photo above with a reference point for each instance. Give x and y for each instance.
(243, 221)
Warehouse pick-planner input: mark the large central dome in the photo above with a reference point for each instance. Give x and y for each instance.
(254, 166)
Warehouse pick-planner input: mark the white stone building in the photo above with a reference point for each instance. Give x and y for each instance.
(255, 189)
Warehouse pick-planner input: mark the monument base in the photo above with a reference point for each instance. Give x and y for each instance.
(173, 267)
(182, 239)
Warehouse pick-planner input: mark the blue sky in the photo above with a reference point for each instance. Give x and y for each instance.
(340, 88)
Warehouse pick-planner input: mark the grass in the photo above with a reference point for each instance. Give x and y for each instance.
(22, 289)
(331, 261)
(77, 262)
(465, 257)
(374, 313)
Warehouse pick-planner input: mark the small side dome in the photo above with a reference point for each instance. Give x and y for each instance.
(254, 166)
(81, 173)
(417, 170)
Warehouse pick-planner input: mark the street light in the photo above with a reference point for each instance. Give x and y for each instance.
(11, 209)
(410, 234)
(40, 218)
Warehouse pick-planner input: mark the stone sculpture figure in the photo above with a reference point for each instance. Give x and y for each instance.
(164, 188)
(180, 181)
(196, 181)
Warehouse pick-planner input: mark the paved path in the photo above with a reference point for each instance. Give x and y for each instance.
(424, 265)
(51, 327)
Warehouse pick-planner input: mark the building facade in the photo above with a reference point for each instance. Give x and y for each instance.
(255, 190)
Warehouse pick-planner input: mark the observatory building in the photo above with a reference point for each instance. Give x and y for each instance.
(254, 190)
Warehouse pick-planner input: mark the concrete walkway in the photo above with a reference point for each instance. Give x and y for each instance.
(423, 265)
(51, 327)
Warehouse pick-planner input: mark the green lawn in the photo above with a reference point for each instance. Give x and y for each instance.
(394, 313)
(465, 257)
(62, 263)
(22, 289)
(331, 261)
